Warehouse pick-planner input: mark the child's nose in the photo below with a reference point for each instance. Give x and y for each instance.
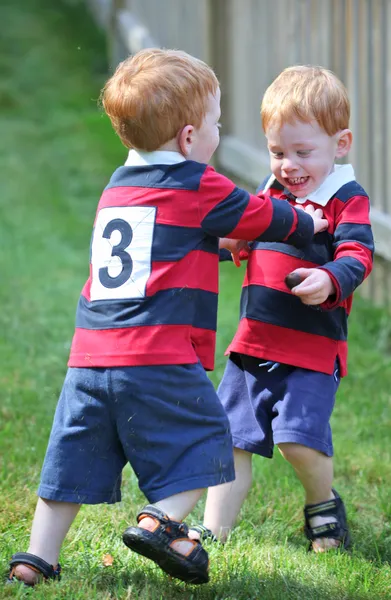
(288, 165)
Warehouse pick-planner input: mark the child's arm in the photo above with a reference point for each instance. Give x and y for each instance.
(330, 284)
(228, 211)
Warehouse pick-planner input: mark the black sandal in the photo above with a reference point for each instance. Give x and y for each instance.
(204, 533)
(338, 530)
(35, 564)
(157, 545)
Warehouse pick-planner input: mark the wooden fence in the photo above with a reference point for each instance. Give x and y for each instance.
(248, 42)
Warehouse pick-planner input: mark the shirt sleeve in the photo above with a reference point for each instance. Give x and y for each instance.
(228, 211)
(353, 248)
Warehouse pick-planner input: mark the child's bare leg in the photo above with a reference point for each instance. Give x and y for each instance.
(224, 501)
(51, 523)
(315, 471)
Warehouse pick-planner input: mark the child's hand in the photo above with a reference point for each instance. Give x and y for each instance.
(320, 223)
(315, 288)
(234, 246)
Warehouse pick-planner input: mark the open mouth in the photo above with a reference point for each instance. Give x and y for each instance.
(297, 180)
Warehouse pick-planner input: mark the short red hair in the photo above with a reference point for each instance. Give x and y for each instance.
(307, 93)
(155, 93)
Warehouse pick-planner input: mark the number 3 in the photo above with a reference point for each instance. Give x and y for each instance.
(121, 252)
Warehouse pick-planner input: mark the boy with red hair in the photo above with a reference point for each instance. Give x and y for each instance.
(136, 389)
(290, 349)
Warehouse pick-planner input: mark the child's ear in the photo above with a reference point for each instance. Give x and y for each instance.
(344, 143)
(185, 140)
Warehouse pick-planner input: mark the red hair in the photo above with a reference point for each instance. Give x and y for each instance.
(155, 93)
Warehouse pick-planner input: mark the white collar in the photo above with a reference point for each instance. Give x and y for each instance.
(138, 158)
(341, 175)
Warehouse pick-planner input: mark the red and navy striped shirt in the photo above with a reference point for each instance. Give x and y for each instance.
(151, 297)
(275, 324)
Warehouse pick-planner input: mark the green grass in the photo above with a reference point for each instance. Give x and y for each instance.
(57, 153)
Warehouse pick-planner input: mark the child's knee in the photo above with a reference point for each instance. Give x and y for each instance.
(298, 455)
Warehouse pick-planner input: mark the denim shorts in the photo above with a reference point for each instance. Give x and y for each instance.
(271, 403)
(165, 420)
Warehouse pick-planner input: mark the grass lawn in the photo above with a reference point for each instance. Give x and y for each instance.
(57, 153)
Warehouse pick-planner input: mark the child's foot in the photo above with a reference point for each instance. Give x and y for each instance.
(326, 525)
(166, 543)
(30, 569)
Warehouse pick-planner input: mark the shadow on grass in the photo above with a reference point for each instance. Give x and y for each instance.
(244, 586)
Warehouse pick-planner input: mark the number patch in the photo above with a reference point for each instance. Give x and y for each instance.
(121, 252)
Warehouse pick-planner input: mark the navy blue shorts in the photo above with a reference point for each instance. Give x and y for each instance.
(277, 403)
(165, 420)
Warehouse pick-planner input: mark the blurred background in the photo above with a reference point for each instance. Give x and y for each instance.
(248, 42)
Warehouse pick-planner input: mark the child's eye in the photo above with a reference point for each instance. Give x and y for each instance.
(278, 154)
(303, 153)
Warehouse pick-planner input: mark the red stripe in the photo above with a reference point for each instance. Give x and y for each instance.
(288, 346)
(174, 207)
(214, 188)
(294, 225)
(355, 250)
(198, 270)
(355, 210)
(255, 219)
(265, 267)
(148, 345)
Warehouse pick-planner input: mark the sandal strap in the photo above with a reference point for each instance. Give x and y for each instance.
(204, 532)
(172, 528)
(31, 560)
(330, 508)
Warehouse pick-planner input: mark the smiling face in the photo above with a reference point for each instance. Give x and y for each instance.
(302, 155)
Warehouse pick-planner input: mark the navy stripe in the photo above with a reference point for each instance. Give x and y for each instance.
(171, 242)
(349, 190)
(177, 306)
(319, 252)
(224, 255)
(354, 232)
(349, 272)
(285, 310)
(182, 176)
(225, 216)
(281, 223)
(304, 231)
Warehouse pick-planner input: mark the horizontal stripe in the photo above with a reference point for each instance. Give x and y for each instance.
(224, 217)
(197, 269)
(224, 255)
(349, 190)
(255, 220)
(349, 272)
(287, 310)
(357, 232)
(303, 232)
(173, 243)
(173, 207)
(176, 306)
(268, 269)
(182, 176)
(149, 345)
(319, 252)
(288, 346)
(280, 224)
